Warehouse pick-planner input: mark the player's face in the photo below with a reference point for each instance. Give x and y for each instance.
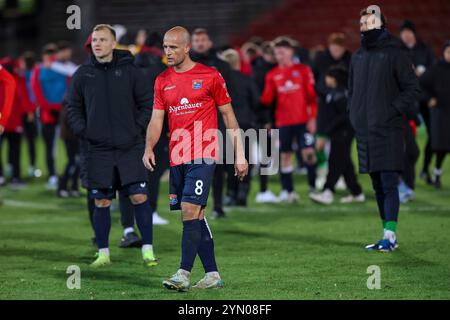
(408, 37)
(283, 55)
(103, 43)
(336, 51)
(201, 43)
(363, 24)
(175, 49)
(447, 55)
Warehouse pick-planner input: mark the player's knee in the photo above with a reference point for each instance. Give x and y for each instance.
(138, 198)
(190, 212)
(102, 203)
(285, 159)
(309, 156)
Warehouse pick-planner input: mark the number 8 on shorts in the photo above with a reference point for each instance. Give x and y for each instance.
(198, 187)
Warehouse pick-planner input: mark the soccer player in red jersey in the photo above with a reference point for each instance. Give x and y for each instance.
(7, 92)
(189, 93)
(292, 86)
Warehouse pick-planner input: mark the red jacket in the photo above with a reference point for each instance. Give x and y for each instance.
(293, 89)
(46, 107)
(7, 89)
(21, 105)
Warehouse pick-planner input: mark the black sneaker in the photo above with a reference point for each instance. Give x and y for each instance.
(437, 182)
(130, 240)
(218, 213)
(425, 176)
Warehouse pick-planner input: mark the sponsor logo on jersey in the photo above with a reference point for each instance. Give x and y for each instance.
(173, 199)
(289, 86)
(197, 84)
(184, 105)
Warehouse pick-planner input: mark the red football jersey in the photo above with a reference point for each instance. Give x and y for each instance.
(190, 99)
(293, 88)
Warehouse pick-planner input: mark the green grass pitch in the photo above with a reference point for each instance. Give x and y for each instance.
(302, 251)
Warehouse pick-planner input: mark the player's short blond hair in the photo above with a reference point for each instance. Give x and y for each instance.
(231, 56)
(104, 26)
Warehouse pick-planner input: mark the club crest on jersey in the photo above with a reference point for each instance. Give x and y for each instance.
(173, 199)
(295, 74)
(197, 84)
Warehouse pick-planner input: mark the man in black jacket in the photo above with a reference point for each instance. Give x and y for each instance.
(245, 96)
(382, 89)
(423, 58)
(109, 107)
(203, 52)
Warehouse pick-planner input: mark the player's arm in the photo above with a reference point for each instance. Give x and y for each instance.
(311, 99)
(269, 91)
(75, 108)
(143, 99)
(155, 127)
(241, 165)
(9, 88)
(154, 130)
(408, 84)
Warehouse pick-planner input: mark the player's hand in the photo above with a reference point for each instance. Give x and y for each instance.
(2, 129)
(311, 126)
(241, 169)
(432, 103)
(149, 159)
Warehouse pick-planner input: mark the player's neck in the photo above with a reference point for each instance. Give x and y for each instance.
(287, 64)
(105, 59)
(186, 65)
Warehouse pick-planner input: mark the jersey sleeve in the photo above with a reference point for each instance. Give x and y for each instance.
(158, 101)
(9, 83)
(269, 91)
(219, 90)
(311, 96)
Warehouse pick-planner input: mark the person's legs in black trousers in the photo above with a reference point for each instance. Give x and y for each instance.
(217, 185)
(232, 186)
(385, 184)
(49, 134)
(154, 178)
(130, 237)
(14, 152)
(440, 156)
(428, 152)
(349, 169)
(72, 170)
(30, 132)
(411, 156)
(340, 163)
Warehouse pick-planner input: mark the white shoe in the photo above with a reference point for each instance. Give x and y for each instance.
(52, 183)
(288, 197)
(351, 198)
(34, 173)
(180, 281)
(158, 220)
(325, 197)
(340, 185)
(211, 280)
(266, 197)
(2, 181)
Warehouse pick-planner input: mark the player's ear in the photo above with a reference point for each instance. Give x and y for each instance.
(114, 44)
(187, 48)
